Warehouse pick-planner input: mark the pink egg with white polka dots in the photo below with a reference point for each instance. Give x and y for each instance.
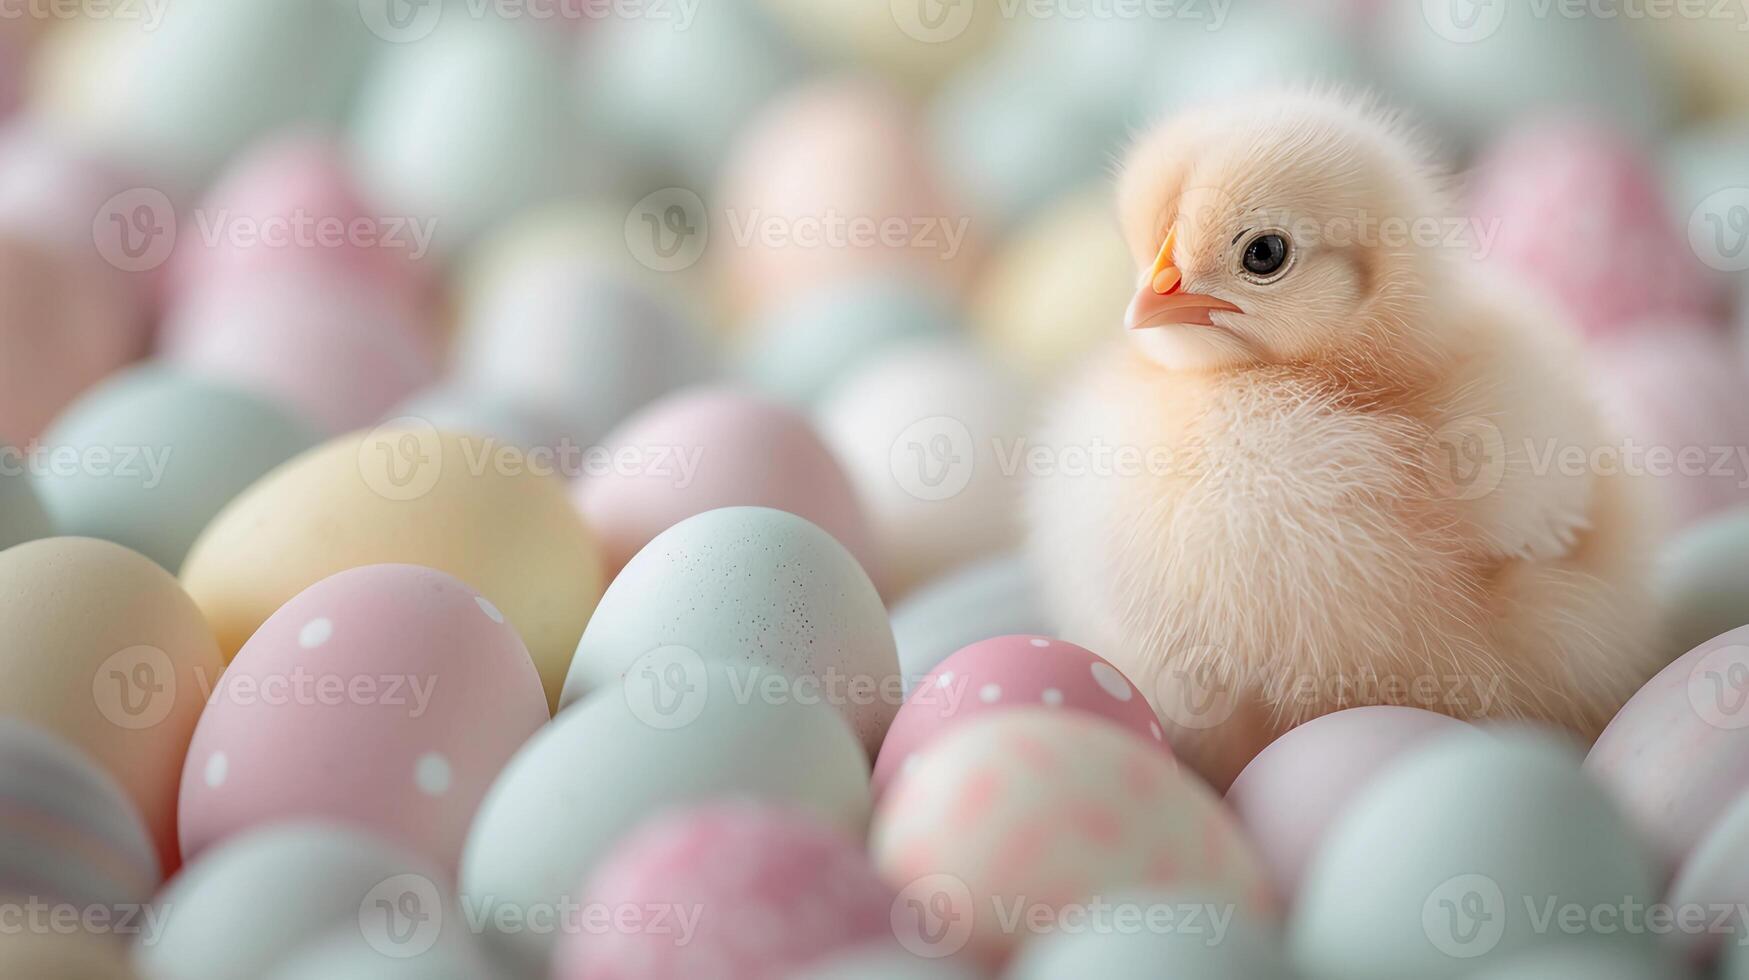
(1012, 672)
(387, 696)
(732, 891)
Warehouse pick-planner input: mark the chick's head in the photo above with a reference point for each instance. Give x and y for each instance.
(1288, 229)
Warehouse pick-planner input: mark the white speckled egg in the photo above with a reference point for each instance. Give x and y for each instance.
(22, 517)
(991, 597)
(929, 433)
(154, 454)
(762, 591)
(679, 731)
(1145, 935)
(1445, 863)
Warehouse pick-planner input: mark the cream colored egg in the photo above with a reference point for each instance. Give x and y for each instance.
(104, 649)
(1058, 288)
(473, 506)
(917, 41)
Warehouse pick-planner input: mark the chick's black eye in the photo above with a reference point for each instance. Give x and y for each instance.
(1265, 255)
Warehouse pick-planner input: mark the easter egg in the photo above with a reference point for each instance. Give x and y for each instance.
(62, 193)
(46, 954)
(762, 591)
(1714, 876)
(1702, 166)
(1003, 673)
(1057, 288)
(773, 890)
(703, 449)
(1703, 579)
(830, 181)
(798, 350)
(678, 732)
(404, 495)
(105, 650)
(332, 350)
(1142, 935)
(1674, 757)
(1472, 71)
(578, 342)
(1256, 49)
(1295, 790)
(883, 961)
(926, 433)
(1586, 961)
(153, 454)
(1035, 812)
(453, 407)
(249, 904)
(1673, 398)
(69, 834)
(349, 954)
(22, 517)
(400, 658)
(990, 597)
(1702, 48)
(1443, 864)
(1544, 186)
(469, 124)
(906, 39)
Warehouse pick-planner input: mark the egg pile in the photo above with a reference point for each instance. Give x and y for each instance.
(524, 490)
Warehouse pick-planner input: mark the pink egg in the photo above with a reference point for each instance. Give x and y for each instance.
(1576, 210)
(767, 891)
(1292, 792)
(1675, 401)
(387, 696)
(1008, 672)
(335, 351)
(704, 449)
(1677, 753)
(831, 181)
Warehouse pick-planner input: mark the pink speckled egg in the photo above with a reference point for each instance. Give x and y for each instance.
(830, 181)
(1292, 792)
(1677, 753)
(326, 347)
(1576, 210)
(704, 449)
(1034, 811)
(1009, 672)
(387, 696)
(756, 892)
(1675, 400)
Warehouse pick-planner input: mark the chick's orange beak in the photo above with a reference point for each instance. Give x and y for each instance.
(1160, 298)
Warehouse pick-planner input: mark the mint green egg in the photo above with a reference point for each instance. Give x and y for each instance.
(991, 597)
(1145, 935)
(1702, 580)
(149, 456)
(22, 517)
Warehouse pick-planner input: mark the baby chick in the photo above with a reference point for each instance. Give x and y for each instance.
(1339, 466)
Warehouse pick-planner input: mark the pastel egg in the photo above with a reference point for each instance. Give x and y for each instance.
(69, 834)
(452, 407)
(467, 125)
(1715, 876)
(1295, 790)
(1699, 163)
(1441, 867)
(1057, 288)
(1471, 72)
(1041, 809)
(1544, 186)
(907, 39)
(579, 342)
(765, 592)
(22, 517)
(349, 954)
(773, 890)
(1254, 49)
(1675, 756)
(702, 449)
(798, 350)
(1673, 399)
(831, 181)
(105, 650)
(926, 433)
(677, 733)
(64, 194)
(884, 961)
(1587, 961)
(51, 955)
(990, 597)
(403, 659)
(1003, 673)
(1703, 579)
(1142, 935)
(150, 455)
(246, 906)
(409, 495)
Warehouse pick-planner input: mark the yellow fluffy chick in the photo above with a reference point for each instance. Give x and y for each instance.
(1329, 464)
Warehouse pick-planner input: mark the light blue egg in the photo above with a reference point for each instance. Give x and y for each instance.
(148, 457)
(1475, 68)
(992, 597)
(1259, 48)
(799, 350)
(884, 963)
(22, 517)
(1104, 66)
(1145, 935)
(1468, 851)
(1702, 580)
(1588, 961)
